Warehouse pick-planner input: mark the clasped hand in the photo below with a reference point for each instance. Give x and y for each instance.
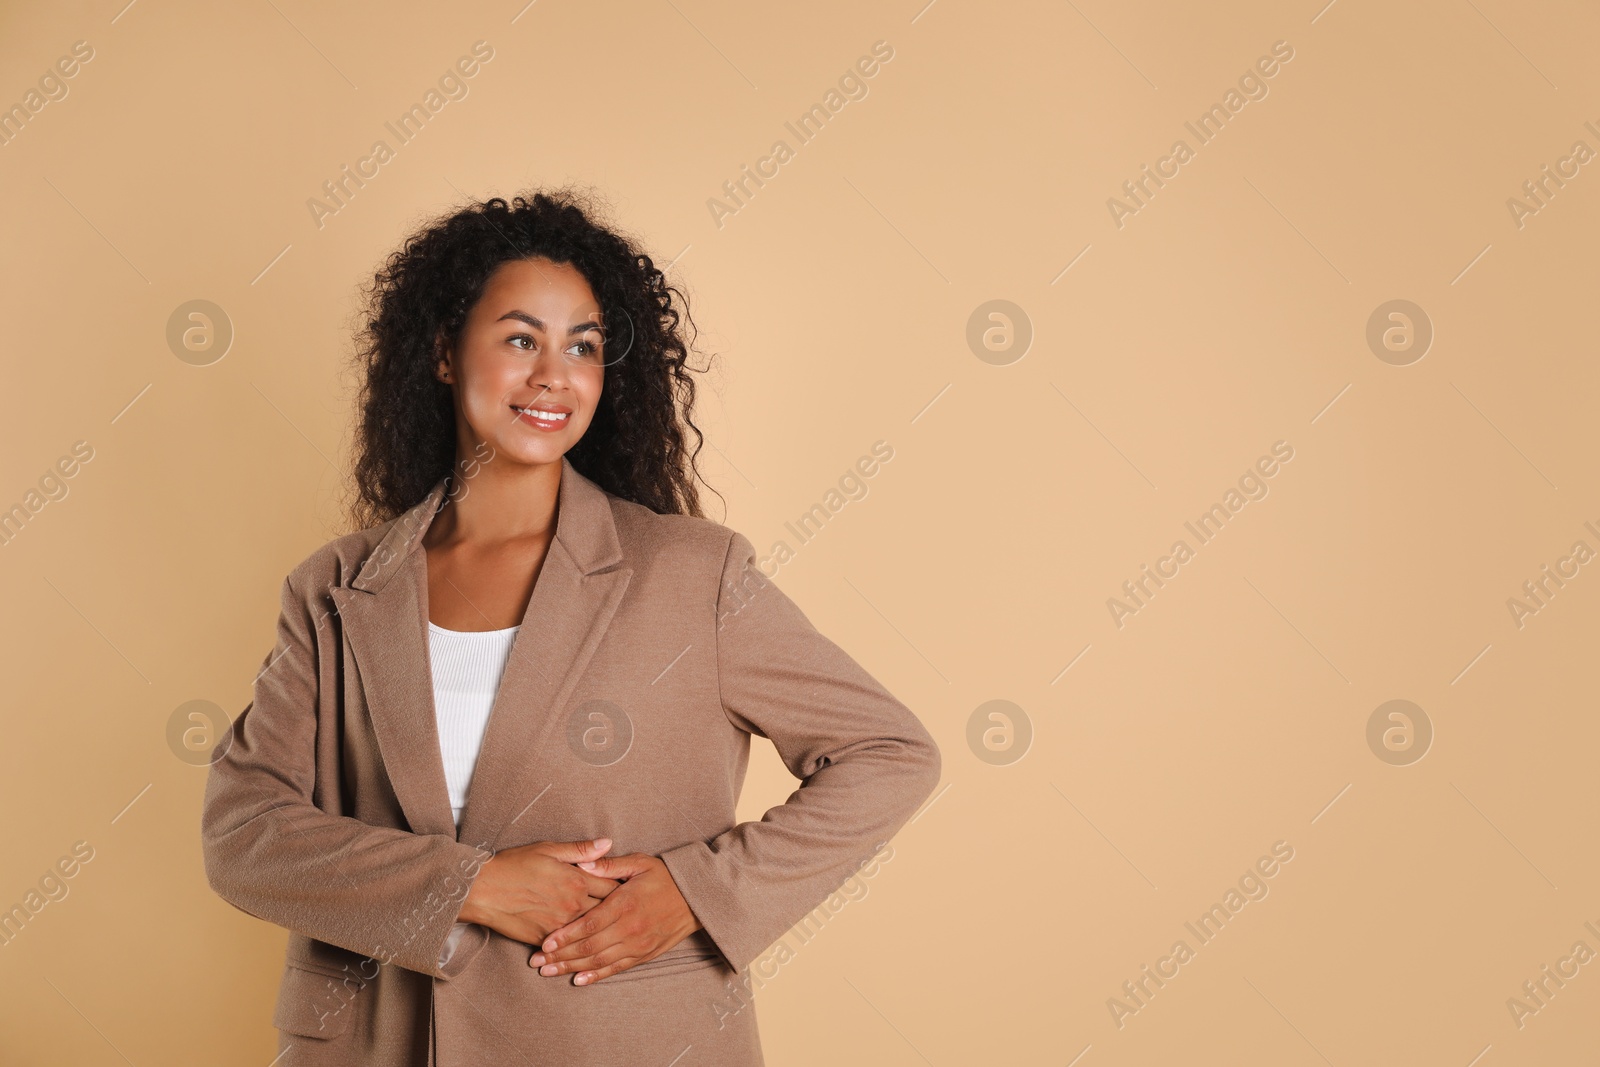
(585, 913)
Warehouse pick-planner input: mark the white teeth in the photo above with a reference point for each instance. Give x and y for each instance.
(545, 416)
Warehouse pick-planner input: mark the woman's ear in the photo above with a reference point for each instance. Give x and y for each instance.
(441, 367)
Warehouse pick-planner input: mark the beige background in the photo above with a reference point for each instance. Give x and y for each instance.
(1229, 313)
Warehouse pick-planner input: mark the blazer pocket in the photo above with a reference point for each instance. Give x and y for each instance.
(313, 1004)
(687, 955)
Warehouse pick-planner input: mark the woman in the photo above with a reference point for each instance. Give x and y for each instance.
(488, 777)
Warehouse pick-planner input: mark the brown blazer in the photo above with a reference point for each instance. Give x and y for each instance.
(652, 648)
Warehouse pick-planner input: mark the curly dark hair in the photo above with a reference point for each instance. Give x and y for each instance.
(406, 439)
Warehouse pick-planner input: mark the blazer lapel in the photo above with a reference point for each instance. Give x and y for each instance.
(384, 613)
(572, 604)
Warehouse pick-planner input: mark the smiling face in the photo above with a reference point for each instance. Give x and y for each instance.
(527, 371)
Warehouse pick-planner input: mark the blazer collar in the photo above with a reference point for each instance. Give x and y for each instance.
(383, 613)
(583, 525)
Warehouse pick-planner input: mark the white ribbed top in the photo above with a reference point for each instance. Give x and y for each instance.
(467, 666)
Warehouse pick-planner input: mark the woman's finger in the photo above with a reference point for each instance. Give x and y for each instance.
(574, 851)
(587, 954)
(628, 866)
(593, 976)
(583, 936)
(597, 886)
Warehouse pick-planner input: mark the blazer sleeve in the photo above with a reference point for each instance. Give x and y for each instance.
(384, 892)
(866, 763)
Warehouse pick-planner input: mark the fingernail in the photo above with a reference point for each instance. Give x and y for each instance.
(548, 969)
(587, 865)
(550, 945)
(583, 979)
(538, 960)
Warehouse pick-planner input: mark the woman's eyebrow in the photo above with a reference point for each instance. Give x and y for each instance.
(538, 324)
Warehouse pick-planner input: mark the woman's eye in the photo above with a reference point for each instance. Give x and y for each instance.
(585, 348)
(522, 337)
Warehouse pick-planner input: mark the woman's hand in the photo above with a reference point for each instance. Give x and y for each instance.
(642, 919)
(526, 892)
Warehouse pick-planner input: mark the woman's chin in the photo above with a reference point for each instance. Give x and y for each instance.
(532, 453)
